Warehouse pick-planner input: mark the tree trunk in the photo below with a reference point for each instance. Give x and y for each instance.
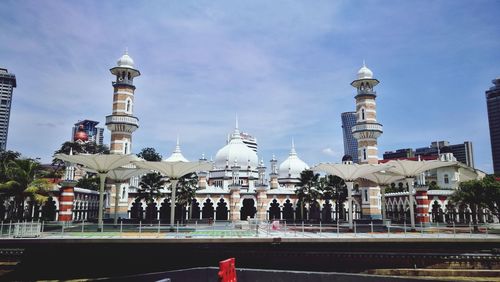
(474, 218)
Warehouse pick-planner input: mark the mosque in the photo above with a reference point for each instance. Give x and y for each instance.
(238, 186)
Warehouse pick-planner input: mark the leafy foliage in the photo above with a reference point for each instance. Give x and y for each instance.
(478, 194)
(150, 187)
(150, 154)
(186, 189)
(91, 183)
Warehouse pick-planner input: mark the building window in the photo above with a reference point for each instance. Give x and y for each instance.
(125, 148)
(364, 153)
(366, 195)
(362, 114)
(446, 179)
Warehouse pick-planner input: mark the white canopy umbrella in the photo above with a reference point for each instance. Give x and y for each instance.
(174, 171)
(383, 179)
(119, 175)
(410, 169)
(349, 173)
(101, 164)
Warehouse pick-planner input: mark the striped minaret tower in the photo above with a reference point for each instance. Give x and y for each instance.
(366, 131)
(122, 122)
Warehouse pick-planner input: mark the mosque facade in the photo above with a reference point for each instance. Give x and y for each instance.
(237, 187)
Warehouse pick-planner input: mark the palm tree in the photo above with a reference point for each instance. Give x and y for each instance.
(186, 190)
(308, 189)
(24, 184)
(150, 187)
(334, 188)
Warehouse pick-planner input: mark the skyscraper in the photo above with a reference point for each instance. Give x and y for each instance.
(94, 133)
(493, 104)
(7, 83)
(350, 143)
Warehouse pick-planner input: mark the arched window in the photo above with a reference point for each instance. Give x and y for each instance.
(125, 148)
(364, 153)
(366, 195)
(362, 114)
(128, 76)
(128, 108)
(446, 179)
(123, 74)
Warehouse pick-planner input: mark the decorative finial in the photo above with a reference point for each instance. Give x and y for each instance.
(292, 151)
(237, 126)
(364, 65)
(177, 145)
(126, 50)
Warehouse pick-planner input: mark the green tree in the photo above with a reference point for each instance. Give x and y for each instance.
(150, 154)
(308, 189)
(474, 194)
(335, 189)
(150, 187)
(23, 184)
(186, 190)
(90, 182)
(433, 186)
(5, 158)
(493, 195)
(76, 148)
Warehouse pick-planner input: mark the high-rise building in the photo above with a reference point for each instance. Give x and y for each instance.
(7, 84)
(493, 104)
(94, 133)
(350, 143)
(399, 154)
(249, 140)
(462, 152)
(367, 130)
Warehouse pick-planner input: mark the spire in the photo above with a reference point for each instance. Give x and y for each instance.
(126, 50)
(236, 133)
(292, 151)
(364, 65)
(177, 146)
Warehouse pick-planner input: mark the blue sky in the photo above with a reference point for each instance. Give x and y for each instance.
(284, 67)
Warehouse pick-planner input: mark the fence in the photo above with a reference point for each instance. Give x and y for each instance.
(253, 228)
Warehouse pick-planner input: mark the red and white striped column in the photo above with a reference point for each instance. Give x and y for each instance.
(422, 205)
(66, 199)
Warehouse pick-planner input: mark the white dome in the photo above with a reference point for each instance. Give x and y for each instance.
(125, 61)
(236, 150)
(176, 155)
(292, 166)
(365, 73)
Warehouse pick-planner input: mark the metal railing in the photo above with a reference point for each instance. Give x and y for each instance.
(241, 229)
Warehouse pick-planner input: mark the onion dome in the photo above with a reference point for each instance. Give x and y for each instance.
(347, 158)
(292, 166)
(125, 61)
(365, 73)
(81, 135)
(236, 150)
(176, 154)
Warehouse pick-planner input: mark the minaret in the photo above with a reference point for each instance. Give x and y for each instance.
(366, 131)
(122, 122)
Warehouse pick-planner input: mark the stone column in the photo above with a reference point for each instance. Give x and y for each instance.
(66, 199)
(422, 205)
(262, 202)
(234, 204)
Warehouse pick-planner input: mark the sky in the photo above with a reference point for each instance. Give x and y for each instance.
(283, 67)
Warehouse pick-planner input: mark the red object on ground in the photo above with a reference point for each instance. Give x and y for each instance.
(227, 270)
